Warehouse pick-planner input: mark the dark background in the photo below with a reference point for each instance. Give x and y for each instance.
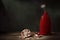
(16, 15)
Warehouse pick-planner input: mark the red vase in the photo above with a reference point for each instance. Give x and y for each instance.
(45, 24)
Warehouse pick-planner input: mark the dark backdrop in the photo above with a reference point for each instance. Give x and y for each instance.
(16, 15)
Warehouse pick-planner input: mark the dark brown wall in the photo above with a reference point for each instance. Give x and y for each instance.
(26, 14)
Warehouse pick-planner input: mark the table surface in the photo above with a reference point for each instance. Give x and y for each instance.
(16, 36)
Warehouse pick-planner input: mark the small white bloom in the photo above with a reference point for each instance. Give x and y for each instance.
(43, 6)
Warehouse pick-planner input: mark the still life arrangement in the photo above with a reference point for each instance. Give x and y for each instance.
(44, 26)
(44, 29)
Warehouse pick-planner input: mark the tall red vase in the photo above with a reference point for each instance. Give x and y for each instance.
(45, 24)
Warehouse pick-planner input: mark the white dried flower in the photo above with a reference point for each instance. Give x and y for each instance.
(25, 33)
(43, 6)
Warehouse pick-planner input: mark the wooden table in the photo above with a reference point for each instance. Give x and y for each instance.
(15, 36)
